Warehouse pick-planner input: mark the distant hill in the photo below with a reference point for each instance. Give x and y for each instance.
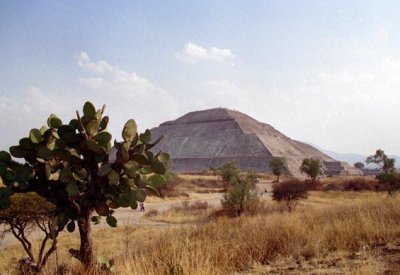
(353, 158)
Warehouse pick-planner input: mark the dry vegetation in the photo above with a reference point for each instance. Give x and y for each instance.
(188, 212)
(342, 232)
(351, 184)
(180, 186)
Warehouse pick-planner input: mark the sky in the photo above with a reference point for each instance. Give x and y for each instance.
(323, 72)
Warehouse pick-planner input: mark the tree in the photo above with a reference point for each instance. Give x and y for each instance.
(240, 195)
(228, 171)
(312, 167)
(389, 175)
(278, 166)
(28, 212)
(289, 191)
(392, 180)
(382, 160)
(70, 166)
(252, 176)
(359, 165)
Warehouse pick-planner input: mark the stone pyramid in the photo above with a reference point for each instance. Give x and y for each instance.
(203, 139)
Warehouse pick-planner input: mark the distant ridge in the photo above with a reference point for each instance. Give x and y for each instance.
(209, 138)
(353, 158)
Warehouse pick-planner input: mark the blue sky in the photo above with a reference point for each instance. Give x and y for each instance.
(325, 72)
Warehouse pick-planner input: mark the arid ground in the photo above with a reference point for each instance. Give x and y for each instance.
(332, 232)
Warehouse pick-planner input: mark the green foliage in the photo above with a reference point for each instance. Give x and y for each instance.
(359, 165)
(278, 166)
(382, 160)
(290, 191)
(228, 172)
(312, 167)
(69, 165)
(240, 196)
(252, 176)
(389, 177)
(392, 180)
(111, 221)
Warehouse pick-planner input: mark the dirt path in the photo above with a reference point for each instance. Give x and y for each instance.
(133, 217)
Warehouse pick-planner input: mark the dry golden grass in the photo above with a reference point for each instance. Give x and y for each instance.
(200, 183)
(341, 179)
(326, 224)
(188, 177)
(188, 212)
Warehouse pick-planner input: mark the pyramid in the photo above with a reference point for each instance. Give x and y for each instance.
(209, 138)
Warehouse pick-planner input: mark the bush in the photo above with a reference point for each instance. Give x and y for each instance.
(170, 187)
(313, 185)
(197, 205)
(252, 176)
(229, 172)
(290, 191)
(240, 196)
(391, 180)
(360, 184)
(333, 186)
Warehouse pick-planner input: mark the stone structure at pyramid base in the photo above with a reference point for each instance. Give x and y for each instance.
(200, 140)
(260, 164)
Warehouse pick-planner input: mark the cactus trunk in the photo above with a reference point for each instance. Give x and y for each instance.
(85, 230)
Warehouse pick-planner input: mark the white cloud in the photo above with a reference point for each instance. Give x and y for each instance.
(99, 67)
(19, 114)
(349, 109)
(194, 53)
(353, 110)
(126, 94)
(113, 78)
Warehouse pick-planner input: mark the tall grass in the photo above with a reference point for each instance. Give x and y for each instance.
(227, 245)
(327, 224)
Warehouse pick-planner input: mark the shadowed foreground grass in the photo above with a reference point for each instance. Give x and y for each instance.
(327, 223)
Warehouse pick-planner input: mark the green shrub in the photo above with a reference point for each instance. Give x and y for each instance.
(391, 180)
(240, 196)
(229, 172)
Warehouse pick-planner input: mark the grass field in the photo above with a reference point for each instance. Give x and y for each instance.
(330, 232)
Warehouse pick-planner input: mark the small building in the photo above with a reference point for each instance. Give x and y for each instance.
(371, 172)
(340, 168)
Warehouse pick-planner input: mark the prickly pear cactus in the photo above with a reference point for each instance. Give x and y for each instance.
(69, 164)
